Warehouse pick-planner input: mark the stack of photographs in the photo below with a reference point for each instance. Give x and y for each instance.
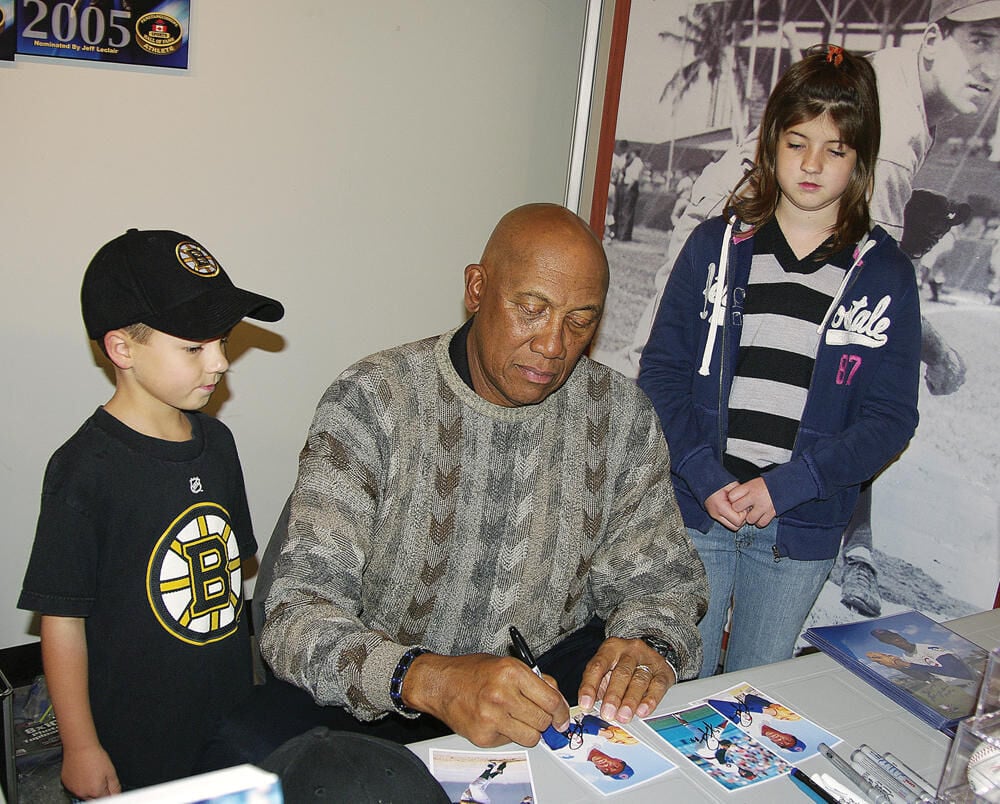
(923, 666)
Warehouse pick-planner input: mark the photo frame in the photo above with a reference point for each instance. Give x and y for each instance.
(719, 91)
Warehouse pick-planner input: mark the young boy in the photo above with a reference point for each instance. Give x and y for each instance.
(143, 525)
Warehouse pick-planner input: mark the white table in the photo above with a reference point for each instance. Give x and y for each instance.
(815, 686)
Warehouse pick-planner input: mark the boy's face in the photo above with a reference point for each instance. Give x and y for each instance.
(179, 373)
(967, 65)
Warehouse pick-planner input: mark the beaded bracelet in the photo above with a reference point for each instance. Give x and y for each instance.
(396, 684)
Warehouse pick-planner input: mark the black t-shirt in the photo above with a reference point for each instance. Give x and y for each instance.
(144, 539)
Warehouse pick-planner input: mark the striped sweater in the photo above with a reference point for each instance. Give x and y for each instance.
(424, 515)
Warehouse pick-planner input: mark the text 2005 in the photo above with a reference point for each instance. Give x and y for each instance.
(64, 23)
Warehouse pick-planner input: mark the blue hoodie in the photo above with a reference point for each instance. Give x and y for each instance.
(861, 407)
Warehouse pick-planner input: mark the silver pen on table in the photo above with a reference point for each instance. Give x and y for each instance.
(855, 778)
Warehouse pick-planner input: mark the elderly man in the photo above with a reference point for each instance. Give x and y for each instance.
(488, 477)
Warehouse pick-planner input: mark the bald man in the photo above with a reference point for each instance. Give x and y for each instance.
(488, 477)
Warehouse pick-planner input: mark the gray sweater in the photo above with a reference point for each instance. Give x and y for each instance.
(424, 515)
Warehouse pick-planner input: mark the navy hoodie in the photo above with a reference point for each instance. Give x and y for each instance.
(861, 407)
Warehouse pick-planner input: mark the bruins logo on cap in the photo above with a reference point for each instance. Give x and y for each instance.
(159, 34)
(196, 259)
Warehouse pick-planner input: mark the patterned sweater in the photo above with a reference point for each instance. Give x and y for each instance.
(424, 515)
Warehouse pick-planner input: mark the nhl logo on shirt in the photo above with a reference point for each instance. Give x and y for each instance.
(194, 582)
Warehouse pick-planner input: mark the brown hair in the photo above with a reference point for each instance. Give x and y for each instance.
(140, 333)
(827, 80)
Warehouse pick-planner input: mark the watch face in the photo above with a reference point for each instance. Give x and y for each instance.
(665, 649)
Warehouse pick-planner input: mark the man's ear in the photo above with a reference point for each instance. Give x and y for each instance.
(475, 280)
(118, 346)
(930, 42)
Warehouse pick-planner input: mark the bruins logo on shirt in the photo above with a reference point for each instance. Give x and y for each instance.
(194, 583)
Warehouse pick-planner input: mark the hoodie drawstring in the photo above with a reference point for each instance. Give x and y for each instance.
(719, 304)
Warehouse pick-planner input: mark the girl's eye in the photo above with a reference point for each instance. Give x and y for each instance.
(193, 350)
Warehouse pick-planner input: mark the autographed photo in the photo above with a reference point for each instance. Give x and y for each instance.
(774, 725)
(714, 745)
(607, 756)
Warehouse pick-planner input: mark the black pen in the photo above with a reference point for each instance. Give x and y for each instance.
(522, 651)
(814, 788)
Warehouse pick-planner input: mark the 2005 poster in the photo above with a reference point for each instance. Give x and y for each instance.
(147, 32)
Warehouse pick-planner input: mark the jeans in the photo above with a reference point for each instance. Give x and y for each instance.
(771, 599)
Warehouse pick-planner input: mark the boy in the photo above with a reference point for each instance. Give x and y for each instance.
(143, 524)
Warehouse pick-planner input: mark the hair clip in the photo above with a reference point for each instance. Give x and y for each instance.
(834, 55)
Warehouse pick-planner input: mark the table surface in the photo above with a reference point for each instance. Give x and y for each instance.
(814, 685)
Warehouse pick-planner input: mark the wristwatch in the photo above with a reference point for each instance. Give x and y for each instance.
(665, 649)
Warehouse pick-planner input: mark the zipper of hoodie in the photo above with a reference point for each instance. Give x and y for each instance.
(854, 272)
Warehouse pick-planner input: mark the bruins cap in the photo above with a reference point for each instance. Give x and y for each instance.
(335, 766)
(167, 281)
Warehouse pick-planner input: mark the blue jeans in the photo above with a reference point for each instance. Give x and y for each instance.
(770, 598)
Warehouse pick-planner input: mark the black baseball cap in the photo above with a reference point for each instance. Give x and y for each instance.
(326, 765)
(167, 281)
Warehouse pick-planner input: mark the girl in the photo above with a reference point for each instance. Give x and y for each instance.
(783, 361)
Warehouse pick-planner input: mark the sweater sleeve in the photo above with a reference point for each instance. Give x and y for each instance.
(313, 635)
(647, 577)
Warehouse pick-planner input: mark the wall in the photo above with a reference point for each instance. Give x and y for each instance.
(348, 158)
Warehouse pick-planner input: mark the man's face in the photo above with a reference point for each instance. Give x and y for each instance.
(779, 738)
(967, 65)
(609, 766)
(894, 639)
(535, 316)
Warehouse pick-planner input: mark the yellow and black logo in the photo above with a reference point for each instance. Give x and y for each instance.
(196, 259)
(194, 583)
(159, 34)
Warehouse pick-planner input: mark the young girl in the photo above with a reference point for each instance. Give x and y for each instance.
(784, 360)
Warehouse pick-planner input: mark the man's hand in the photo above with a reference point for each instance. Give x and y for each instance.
(753, 501)
(721, 509)
(487, 699)
(89, 773)
(628, 676)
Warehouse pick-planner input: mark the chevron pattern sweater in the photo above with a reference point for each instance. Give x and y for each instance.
(424, 515)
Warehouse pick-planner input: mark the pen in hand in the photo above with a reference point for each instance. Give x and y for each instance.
(522, 650)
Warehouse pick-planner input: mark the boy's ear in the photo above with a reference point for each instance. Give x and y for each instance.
(118, 346)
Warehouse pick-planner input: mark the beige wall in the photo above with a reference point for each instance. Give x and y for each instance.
(349, 158)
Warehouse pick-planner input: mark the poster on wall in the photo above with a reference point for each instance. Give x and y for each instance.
(692, 80)
(147, 32)
(8, 30)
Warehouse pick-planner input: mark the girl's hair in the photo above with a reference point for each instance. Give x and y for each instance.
(827, 80)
